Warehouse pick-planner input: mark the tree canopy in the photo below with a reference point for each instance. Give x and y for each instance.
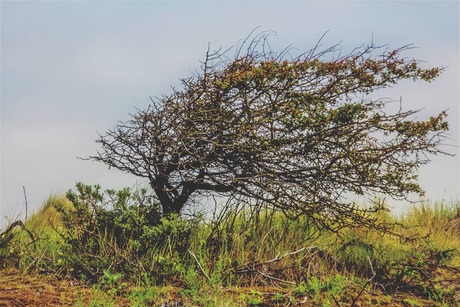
(301, 134)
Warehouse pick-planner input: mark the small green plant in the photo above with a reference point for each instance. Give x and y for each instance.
(142, 297)
(315, 286)
(111, 279)
(300, 289)
(336, 285)
(277, 297)
(112, 282)
(255, 298)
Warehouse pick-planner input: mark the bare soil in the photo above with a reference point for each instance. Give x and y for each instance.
(17, 289)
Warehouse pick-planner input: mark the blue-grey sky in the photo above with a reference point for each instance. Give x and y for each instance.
(69, 69)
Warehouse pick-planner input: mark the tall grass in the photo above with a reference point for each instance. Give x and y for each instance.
(213, 261)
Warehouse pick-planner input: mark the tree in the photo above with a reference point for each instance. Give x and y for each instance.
(300, 134)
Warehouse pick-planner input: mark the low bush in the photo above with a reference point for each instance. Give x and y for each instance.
(120, 231)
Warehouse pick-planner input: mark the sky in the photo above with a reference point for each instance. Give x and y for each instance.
(72, 69)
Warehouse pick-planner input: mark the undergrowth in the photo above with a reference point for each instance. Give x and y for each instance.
(118, 242)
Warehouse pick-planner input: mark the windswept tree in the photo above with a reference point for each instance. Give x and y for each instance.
(301, 134)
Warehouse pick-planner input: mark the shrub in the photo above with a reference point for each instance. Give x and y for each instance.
(118, 230)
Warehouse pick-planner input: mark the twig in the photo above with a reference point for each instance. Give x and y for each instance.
(335, 300)
(246, 268)
(25, 198)
(253, 268)
(199, 265)
(274, 278)
(277, 258)
(353, 303)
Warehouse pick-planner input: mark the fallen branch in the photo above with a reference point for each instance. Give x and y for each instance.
(14, 225)
(199, 265)
(274, 278)
(249, 268)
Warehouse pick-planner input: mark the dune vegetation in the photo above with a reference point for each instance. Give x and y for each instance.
(114, 248)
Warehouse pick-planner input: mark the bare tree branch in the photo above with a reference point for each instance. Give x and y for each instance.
(300, 134)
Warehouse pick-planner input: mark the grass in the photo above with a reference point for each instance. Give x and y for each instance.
(246, 257)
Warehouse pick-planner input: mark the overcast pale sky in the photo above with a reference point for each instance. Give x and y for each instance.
(70, 69)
